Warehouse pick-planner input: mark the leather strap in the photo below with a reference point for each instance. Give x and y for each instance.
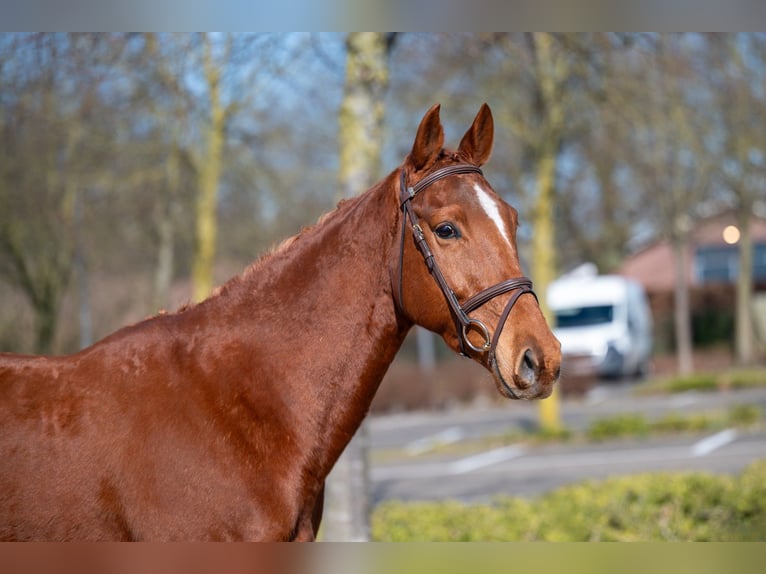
(463, 323)
(523, 283)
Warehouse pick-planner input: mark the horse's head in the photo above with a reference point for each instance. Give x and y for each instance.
(459, 274)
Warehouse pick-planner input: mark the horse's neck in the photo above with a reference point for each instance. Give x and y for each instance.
(328, 322)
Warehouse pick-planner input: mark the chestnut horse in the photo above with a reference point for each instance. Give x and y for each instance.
(221, 421)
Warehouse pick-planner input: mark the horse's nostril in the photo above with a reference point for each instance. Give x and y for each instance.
(529, 360)
(527, 372)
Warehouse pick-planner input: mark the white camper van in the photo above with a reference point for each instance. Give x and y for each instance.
(604, 325)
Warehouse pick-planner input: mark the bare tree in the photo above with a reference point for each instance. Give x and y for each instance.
(169, 107)
(671, 164)
(595, 215)
(54, 133)
(541, 126)
(740, 61)
(361, 119)
(208, 166)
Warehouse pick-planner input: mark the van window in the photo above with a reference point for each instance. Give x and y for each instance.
(584, 316)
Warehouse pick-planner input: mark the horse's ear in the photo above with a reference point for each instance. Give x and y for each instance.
(476, 144)
(429, 139)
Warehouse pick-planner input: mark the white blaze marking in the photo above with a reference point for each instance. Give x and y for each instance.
(490, 207)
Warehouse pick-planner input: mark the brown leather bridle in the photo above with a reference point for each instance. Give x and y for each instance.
(463, 323)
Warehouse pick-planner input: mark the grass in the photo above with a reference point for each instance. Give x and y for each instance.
(740, 378)
(636, 425)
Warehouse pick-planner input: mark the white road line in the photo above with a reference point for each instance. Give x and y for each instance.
(421, 445)
(534, 462)
(436, 469)
(483, 459)
(596, 396)
(408, 471)
(713, 442)
(684, 400)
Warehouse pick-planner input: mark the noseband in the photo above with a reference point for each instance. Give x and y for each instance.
(463, 323)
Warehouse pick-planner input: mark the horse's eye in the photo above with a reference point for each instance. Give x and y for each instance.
(446, 231)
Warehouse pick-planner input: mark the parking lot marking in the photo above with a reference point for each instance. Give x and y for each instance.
(421, 445)
(713, 442)
(477, 461)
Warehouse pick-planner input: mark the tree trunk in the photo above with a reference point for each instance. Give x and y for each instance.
(614, 235)
(544, 239)
(550, 72)
(426, 350)
(682, 308)
(543, 261)
(361, 111)
(48, 288)
(163, 274)
(46, 318)
(745, 336)
(209, 171)
(361, 118)
(80, 268)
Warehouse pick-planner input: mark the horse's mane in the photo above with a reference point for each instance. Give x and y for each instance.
(282, 247)
(276, 250)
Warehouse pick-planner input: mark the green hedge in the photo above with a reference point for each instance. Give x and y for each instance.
(741, 378)
(647, 507)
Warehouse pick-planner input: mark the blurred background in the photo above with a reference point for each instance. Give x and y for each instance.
(138, 171)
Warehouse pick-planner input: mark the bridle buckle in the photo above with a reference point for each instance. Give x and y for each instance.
(476, 325)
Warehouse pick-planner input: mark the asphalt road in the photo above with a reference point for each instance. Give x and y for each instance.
(404, 466)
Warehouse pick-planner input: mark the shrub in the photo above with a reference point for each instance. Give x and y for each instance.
(696, 382)
(744, 415)
(617, 427)
(635, 425)
(647, 507)
(675, 422)
(744, 378)
(731, 379)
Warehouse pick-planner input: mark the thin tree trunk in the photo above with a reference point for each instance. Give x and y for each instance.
(426, 350)
(549, 71)
(80, 268)
(682, 314)
(46, 312)
(209, 170)
(544, 264)
(361, 111)
(614, 231)
(543, 239)
(163, 274)
(745, 336)
(361, 120)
